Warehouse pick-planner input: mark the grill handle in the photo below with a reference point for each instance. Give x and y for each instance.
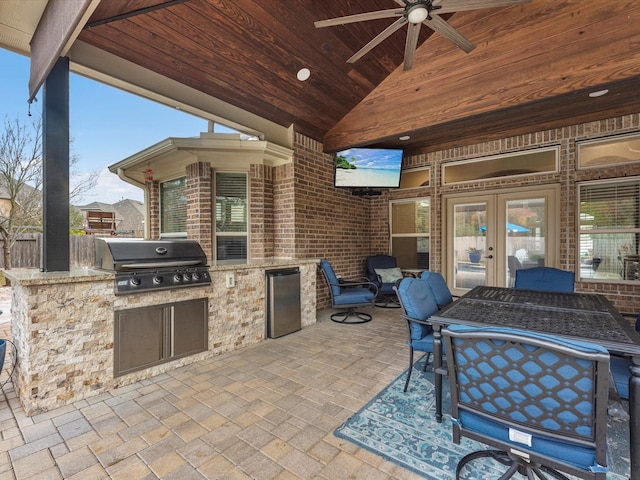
(177, 263)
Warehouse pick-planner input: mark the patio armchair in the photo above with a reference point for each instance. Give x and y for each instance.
(439, 287)
(540, 401)
(418, 304)
(545, 278)
(348, 295)
(384, 272)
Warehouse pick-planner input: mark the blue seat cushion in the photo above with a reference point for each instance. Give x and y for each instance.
(354, 296)
(419, 303)
(439, 287)
(425, 344)
(620, 369)
(579, 456)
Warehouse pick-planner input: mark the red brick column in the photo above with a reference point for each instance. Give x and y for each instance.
(199, 207)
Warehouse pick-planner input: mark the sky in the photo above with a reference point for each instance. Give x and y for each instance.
(106, 124)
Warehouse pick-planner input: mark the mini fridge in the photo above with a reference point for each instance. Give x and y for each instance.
(284, 315)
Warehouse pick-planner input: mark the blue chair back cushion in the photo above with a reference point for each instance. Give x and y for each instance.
(494, 378)
(439, 287)
(418, 302)
(331, 277)
(545, 278)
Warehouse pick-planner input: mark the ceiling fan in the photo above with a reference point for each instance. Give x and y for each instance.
(415, 13)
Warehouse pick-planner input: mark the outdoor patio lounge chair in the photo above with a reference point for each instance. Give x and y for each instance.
(348, 295)
(384, 272)
(418, 304)
(545, 278)
(541, 401)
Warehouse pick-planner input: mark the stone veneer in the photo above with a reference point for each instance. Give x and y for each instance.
(63, 326)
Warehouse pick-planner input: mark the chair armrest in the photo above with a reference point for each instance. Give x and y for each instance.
(415, 320)
(362, 282)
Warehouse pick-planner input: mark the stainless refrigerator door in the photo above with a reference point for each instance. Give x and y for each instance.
(283, 311)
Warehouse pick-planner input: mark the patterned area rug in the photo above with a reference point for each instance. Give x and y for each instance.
(401, 428)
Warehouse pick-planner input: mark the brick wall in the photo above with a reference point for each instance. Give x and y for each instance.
(261, 227)
(329, 222)
(624, 296)
(199, 206)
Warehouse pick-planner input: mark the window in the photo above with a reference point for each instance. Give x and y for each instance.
(410, 226)
(415, 177)
(541, 160)
(173, 208)
(610, 151)
(609, 229)
(231, 217)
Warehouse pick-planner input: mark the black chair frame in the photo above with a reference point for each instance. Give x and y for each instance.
(530, 463)
(349, 314)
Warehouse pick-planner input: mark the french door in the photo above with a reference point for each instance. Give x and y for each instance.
(488, 236)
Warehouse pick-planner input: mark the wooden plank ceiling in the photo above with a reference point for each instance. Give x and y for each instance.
(532, 67)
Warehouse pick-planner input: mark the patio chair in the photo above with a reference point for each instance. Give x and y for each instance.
(348, 295)
(540, 401)
(418, 304)
(439, 287)
(384, 272)
(545, 278)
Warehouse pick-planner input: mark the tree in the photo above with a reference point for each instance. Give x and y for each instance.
(21, 181)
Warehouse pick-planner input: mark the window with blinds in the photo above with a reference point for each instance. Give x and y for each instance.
(609, 230)
(173, 208)
(410, 232)
(231, 214)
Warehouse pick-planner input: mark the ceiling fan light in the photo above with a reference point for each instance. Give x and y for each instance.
(417, 14)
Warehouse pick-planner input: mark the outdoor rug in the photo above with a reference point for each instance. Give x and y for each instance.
(401, 428)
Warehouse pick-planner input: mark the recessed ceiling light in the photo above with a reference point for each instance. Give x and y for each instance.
(303, 74)
(404, 138)
(599, 93)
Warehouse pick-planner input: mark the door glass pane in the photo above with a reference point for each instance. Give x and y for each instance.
(525, 235)
(469, 244)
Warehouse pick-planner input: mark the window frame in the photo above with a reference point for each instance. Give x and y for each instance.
(225, 234)
(632, 231)
(161, 201)
(412, 200)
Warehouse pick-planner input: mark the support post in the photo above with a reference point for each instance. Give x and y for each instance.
(55, 184)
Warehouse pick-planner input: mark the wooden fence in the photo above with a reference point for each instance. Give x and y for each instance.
(27, 251)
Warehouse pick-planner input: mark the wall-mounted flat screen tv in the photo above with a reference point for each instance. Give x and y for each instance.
(368, 168)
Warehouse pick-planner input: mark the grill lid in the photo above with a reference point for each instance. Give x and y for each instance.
(134, 254)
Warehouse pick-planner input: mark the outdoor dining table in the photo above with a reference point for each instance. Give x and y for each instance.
(577, 316)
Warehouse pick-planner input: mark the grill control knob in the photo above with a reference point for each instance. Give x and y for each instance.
(177, 277)
(196, 276)
(157, 280)
(135, 281)
(187, 277)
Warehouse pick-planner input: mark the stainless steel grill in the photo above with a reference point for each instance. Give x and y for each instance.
(144, 265)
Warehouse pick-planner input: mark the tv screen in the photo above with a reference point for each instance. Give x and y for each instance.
(368, 168)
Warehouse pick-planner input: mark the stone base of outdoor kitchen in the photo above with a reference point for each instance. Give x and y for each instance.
(63, 326)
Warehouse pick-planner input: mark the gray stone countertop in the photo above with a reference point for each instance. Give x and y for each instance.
(34, 276)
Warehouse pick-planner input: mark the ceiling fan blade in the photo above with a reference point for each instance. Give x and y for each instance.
(359, 17)
(449, 6)
(377, 39)
(410, 46)
(438, 25)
